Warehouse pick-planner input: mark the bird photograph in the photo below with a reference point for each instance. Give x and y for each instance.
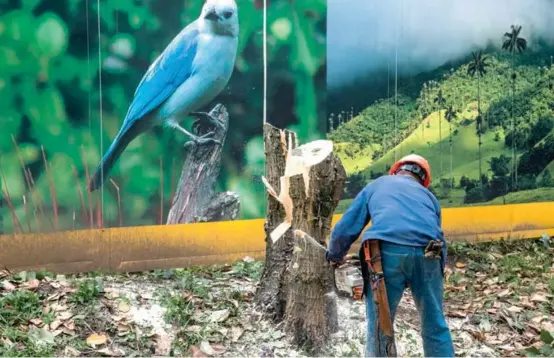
(192, 70)
(103, 103)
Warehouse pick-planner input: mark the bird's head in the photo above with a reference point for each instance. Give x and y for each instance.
(220, 17)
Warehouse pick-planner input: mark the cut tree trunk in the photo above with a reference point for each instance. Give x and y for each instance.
(305, 185)
(196, 199)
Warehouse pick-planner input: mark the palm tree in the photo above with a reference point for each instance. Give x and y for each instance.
(513, 43)
(478, 66)
(450, 115)
(441, 103)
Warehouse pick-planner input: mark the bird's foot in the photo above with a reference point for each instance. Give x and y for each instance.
(203, 140)
(211, 119)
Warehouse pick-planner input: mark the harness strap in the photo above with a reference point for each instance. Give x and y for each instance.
(384, 334)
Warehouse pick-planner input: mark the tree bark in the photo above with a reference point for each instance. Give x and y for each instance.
(271, 293)
(297, 284)
(196, 199)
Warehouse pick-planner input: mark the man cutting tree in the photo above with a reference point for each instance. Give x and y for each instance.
(403, 247)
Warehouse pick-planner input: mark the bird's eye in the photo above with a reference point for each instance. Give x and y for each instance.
(227, 14)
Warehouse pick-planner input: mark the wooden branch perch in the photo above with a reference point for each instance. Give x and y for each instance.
(196, 199)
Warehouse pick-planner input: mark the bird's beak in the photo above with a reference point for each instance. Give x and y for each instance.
(211, 15)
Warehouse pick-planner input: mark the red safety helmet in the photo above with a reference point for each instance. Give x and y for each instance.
(414, 159)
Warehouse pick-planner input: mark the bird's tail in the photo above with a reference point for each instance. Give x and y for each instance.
(121, 141)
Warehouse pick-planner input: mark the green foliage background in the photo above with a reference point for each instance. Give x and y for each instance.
(68, 66)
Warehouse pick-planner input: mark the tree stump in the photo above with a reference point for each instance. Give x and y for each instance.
(196, 199)
(297, 284)
(271, 293)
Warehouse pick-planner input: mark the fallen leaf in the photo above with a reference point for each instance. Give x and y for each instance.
(223, 331)
(504, 293)
(111, 352)
(206, 348)
(460, 265)
(485, 325)
(96, 339)
(123, 307)
(56, 307)
(515, 309)
(36, 321)
(539, 297)
(8, 286)
(163, 344)
(196, 352)
(146, 296)
(57, 332)
(32, 284)
(54, 325)
(507, 347)
(111, 295)
(71, 352)
(53, 297)
(218, 349)
(219, 316)
(235, 303)
(236, 333)
(193, 329)
(69, 332)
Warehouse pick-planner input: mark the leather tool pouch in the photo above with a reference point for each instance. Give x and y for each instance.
(433, 251)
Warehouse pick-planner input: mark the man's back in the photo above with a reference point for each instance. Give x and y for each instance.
(402, 211)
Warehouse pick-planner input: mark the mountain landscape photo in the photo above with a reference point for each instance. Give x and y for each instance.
(469, 86)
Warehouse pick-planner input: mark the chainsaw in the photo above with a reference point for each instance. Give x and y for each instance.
(348, 278)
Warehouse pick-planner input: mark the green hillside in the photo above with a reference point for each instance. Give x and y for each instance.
(425, 142)
(370, 142)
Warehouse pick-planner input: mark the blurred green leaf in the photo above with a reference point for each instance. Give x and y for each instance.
(255, 155)
(52, 35)
(123, 45)
(10, 122)
(29, 5)
(281, 28)
(303, 53)
(17, 27)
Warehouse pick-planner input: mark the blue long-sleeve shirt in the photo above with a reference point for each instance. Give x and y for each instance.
(401, 211)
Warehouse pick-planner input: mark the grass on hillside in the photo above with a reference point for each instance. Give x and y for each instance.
(465, 159)
(550, 167)
(360, 160)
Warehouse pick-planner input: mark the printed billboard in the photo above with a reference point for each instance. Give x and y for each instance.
(84, 80)
(468, 85)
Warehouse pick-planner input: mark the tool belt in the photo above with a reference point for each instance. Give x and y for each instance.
(433, 251)
(372, 272)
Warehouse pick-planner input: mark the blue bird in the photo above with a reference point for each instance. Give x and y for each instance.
(192, 70)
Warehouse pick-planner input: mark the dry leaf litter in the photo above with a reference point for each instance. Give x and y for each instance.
(144, 314)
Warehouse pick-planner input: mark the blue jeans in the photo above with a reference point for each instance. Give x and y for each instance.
(406, 265)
